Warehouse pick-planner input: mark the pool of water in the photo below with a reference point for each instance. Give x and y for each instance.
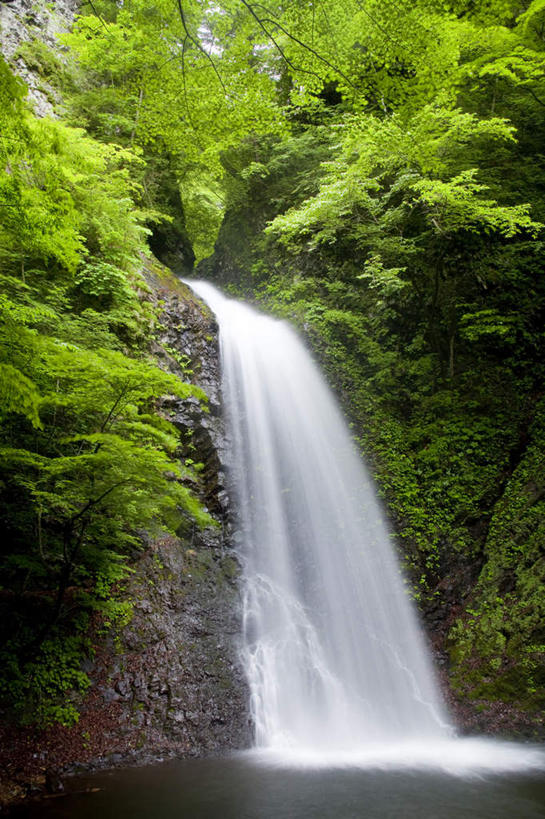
(243, 787)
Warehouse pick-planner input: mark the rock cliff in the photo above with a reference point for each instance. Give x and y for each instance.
(24, 23)
(169, 682)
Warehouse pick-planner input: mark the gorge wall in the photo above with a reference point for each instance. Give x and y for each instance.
(168, 683)
(22, 24)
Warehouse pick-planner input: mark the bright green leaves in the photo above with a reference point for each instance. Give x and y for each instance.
(18, 344)
(203, 201)
(64, 196)
(531, 21)
(490, 324)
(87, 462)
(386, 280)
(18, 394)
(38, 215)
(194, 80)
(459, 205)
(152, 80)
(387, 167)
(105, 384)
(104, 283)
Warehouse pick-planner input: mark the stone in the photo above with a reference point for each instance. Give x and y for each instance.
(24, 20)
(53, 781)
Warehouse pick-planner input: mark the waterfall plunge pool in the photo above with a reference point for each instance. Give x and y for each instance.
(247, 786)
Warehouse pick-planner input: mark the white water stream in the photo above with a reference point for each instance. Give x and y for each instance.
(337, 667)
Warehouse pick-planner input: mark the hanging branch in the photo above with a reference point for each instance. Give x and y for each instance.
(261, 24)
(198, 45)
(534, 95)
(375, 22)
(95, 12)
(309, 48)
(274, 22)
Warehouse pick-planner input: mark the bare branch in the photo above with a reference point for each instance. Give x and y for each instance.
(94, 502)
(95, 12)
(263, 22)
(270, 36)
(534, 95)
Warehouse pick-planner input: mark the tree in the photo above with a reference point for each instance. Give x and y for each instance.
(87, 461)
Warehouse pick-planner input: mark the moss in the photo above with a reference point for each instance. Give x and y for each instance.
(162, 278)
(230, 568)
(502, 632)
(42, 60)
(509, 686)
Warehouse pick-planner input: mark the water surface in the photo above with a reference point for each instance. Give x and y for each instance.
(241, 788)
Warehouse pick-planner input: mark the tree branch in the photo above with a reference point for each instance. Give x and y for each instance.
(195, 42)
(309, 48)
(535, 96)
(95, 501)
(270, 36)
(95, 12)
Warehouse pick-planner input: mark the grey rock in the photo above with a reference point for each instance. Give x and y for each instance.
(175, 676)
(110, 695)
(23, 21)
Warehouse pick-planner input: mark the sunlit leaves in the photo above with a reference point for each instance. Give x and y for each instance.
(18, 394)
(386, 167)
(87, 462)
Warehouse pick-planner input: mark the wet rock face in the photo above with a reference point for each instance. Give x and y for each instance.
(187, 345)
(178, 676)
(173, 677)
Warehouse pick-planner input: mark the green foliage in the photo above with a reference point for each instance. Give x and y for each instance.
(46, 691)
(373, 172)
(19, 394)
(147, 80)
(87, 463)
(505, 624)
(391, 166)
(406, 242)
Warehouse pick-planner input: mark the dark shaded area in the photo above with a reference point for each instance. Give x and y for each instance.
(169, 241)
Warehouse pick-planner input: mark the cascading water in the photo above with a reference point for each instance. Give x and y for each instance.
(332, 648)
(334, 657)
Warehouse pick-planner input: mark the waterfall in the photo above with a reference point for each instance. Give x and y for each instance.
(332, 649)
(337, 667)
